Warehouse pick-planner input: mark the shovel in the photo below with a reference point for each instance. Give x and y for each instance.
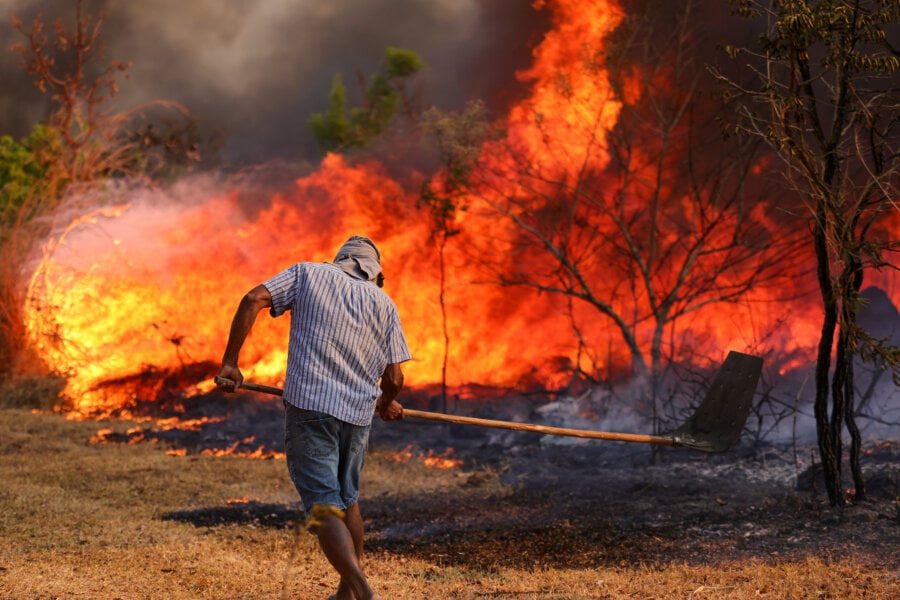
(715, 426)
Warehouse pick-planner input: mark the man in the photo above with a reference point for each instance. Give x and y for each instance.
(345, 337)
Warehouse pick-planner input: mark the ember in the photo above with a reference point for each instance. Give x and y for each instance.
(233, 450)
(442, 460)
(210, 425)
(429, 459)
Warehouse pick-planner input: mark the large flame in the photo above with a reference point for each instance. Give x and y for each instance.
(152, 282)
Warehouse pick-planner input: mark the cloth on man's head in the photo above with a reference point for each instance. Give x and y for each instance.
(359, 257)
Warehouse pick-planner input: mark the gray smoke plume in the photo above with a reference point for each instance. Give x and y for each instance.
(255, 70)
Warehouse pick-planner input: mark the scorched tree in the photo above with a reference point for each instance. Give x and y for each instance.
(822, 93)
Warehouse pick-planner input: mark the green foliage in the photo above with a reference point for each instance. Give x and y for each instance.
(382, 101)
(331, 128)
(19, 170)
(25, 188)
(879, 352)
(852, 37)
(401, 63)
(339, 128)
(459, 138)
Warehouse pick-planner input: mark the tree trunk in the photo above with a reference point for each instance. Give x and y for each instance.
(829, 438)
(855, 275)
(444, 330)
(859, 482)
(839, 393)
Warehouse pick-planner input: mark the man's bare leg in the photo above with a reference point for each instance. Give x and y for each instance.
(353, 520)
(342, 544)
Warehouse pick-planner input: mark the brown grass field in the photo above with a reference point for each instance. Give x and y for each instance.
(129, 521)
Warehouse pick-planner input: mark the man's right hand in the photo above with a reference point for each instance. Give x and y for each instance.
(253, 301)
(229, 378)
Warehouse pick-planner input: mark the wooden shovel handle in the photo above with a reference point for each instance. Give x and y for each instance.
(433, 416)
(582, 433)
(256, 387)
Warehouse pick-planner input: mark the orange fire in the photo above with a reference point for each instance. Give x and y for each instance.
(260, 452)
(443, 460)
(151, 283)
(139, 434)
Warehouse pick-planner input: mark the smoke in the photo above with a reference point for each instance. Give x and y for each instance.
(255, 71)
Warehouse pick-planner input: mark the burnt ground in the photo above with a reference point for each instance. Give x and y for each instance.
(580, 503)
(578, 507)
(583, 503)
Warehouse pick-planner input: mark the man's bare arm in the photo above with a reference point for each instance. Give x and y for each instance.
(391, 384)
(251, 304)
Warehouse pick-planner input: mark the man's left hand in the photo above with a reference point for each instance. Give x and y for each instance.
(391, 411)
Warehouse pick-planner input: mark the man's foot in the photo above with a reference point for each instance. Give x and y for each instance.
(338, 596)
(342, 594)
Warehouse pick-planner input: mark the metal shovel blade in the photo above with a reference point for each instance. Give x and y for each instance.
(717, 423)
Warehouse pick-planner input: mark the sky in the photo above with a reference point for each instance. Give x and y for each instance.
(256, 69)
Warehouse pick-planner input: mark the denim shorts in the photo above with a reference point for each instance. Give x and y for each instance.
(325, 457)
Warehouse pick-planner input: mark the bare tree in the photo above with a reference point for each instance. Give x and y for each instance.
(94, 139)
(823, 95)
(84, 142)
(643, 211)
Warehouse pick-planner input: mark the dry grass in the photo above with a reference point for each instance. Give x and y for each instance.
(80, 520)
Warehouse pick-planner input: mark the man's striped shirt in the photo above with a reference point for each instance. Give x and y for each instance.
(344, 332)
